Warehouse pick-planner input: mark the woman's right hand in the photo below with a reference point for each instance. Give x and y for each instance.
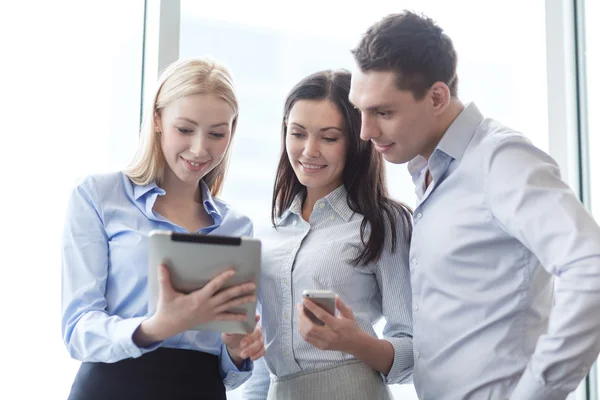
(177, 312)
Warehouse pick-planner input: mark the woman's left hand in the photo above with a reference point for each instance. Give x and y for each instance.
(242, 347)
(339, 333)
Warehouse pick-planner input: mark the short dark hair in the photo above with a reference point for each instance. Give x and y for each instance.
(414, 47)
(364, 170)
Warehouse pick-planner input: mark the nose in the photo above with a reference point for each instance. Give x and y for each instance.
(311, 147)
(198, 145)
(368, 128)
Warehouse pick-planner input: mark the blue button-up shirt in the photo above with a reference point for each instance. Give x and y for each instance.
(105, 270)
(490, 232)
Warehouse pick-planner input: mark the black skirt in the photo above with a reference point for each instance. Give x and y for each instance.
(161, 374)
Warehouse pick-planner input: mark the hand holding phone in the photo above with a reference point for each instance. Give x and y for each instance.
(324, 298)
(340, 333)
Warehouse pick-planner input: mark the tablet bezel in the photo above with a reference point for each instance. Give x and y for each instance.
(194, 259)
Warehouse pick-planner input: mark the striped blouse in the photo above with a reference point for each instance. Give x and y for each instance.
(299, 255)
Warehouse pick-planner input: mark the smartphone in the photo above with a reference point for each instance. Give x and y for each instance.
(324, 298)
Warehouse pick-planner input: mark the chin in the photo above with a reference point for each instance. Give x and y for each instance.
(398, 158)
(394, 159)
(188, 178)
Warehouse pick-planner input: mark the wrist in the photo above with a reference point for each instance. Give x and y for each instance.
(235, 358)
(357, 342)
(148, 332)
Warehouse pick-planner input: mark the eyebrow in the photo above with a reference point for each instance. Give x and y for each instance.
(191, 121)
(320, 130)
(379, 107)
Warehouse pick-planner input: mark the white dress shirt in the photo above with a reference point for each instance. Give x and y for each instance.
(490, 232)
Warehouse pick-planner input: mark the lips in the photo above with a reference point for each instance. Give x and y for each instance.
(194, 166)
(382, 148)
(310, 168)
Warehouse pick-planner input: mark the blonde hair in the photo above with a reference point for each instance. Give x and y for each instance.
(180, 79)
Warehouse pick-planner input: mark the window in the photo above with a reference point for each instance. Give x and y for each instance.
(72, 73)
(501, 69)
(592, 64)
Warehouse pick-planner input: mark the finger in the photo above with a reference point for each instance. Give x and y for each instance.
(216, 283)
(251, 337)
(240, 301)
(345, 310)
(308, 329)
(227, 316)
(233, 292)
(319, 312)
(304, 321)
(164, 282)
(231, 336)
(258, 355)
(302, 317)
(257, 318)
(253, 349)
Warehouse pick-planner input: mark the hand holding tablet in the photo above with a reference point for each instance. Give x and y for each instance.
(203, 282)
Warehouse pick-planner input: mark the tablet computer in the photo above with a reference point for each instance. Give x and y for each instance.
(193, 260)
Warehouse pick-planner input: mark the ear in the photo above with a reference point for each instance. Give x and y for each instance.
(157, 123)
(439, 94)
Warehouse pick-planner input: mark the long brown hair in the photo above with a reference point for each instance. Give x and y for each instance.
(364, 171)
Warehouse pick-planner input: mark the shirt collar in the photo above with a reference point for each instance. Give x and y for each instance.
(208, 201)
(294, 208)
(461, 131)
(337, 199)
(455, 140)
(141, 190)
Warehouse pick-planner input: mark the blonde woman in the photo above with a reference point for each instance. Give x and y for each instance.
(171, 184)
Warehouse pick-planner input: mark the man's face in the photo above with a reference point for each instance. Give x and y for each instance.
(399, 126)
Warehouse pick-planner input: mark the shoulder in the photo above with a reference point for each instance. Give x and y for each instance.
(99, 188)
(505, 149)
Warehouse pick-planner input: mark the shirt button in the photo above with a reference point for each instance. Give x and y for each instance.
(286, 353)
(332, 218)
(419, 215)
(285, 280)
(415, 261)
(418, 354)
(322, 205)
(234, 375)
(295, 223)
(286, 316)
(416, 307)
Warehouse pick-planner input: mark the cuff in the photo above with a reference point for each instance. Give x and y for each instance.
(124, 334)
(232, 376)
(402, 366)
(531, 388)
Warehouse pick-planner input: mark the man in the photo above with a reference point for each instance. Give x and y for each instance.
(494, 224)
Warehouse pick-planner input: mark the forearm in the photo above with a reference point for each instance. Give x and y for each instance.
(565, 354)
(148, 333)
(97, 337)
(376, 353)
(237, 361)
